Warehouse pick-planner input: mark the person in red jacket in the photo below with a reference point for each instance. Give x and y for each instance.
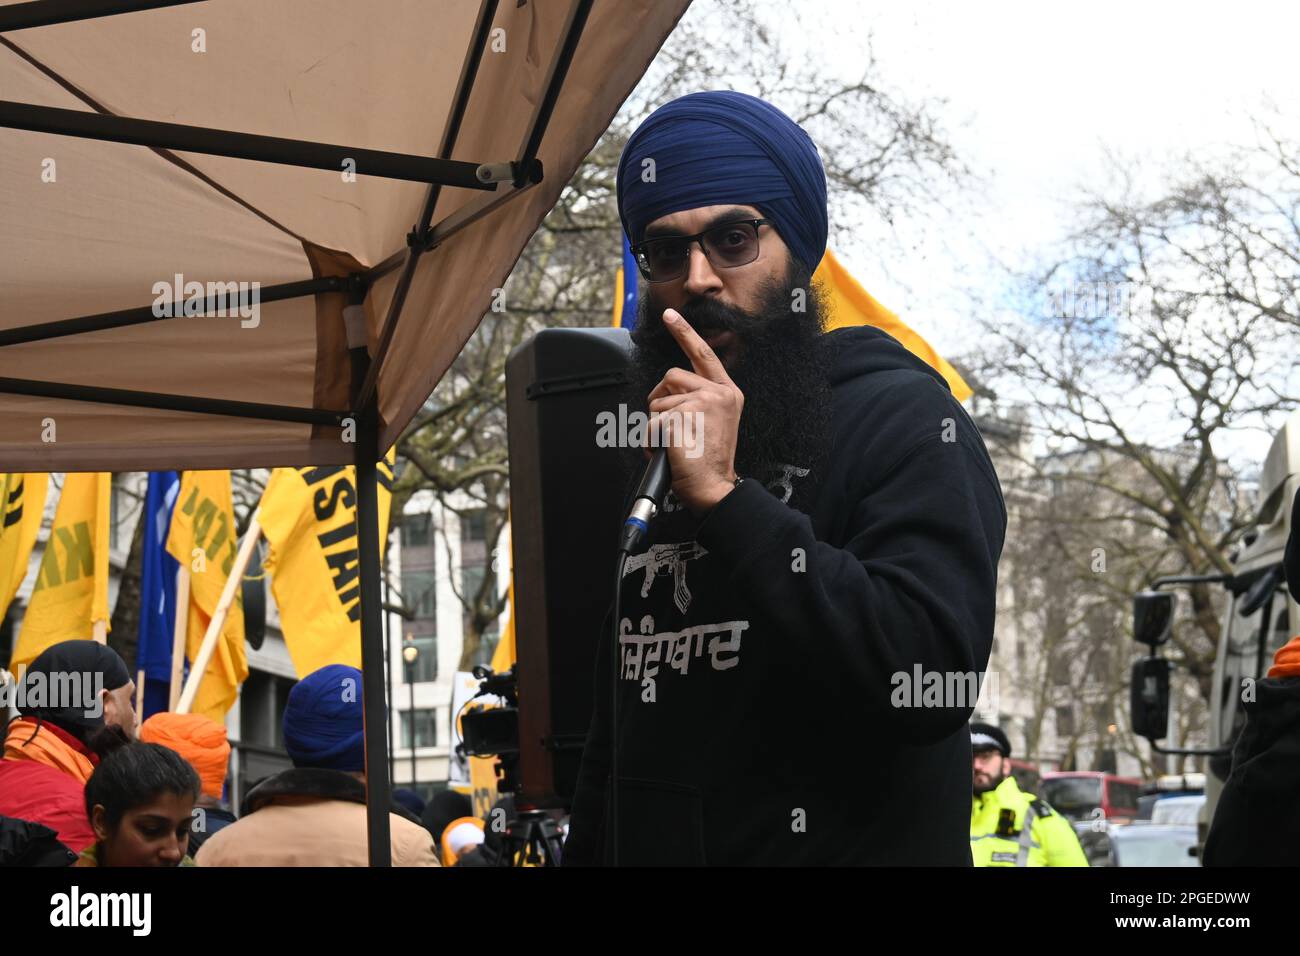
(74, 706)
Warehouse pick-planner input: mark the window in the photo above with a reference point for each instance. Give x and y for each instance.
(418, 593)
(471, 578)
(474, 525)
(1061, 669)
(426, 661)
(1100, 665)
(262, 700)
(1123, 796)
(426, 728)
(1101, 715)
(415, 531)
(1065, 721)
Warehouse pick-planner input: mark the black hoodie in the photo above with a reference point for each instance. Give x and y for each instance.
(765, 648)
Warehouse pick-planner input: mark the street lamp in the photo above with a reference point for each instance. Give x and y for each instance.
(409, 653)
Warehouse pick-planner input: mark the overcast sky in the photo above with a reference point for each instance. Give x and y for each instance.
(1037, 93)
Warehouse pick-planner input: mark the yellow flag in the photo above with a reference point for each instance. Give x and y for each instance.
(482, 770)
(503, 656)
(71, 590)
(853, 305)
(309, 517)
(22, 505)
(204, 539)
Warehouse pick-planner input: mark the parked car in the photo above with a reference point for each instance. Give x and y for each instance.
(1147, 802)
(1154, 844)
(1086, 795)
(1094, 840)
(1183, 811)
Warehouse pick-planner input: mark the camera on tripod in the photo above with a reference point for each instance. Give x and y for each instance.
(492, 730)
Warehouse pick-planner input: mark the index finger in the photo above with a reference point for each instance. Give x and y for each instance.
(703, 359)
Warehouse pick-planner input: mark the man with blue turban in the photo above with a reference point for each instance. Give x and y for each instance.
(831, 538)
(315, 814)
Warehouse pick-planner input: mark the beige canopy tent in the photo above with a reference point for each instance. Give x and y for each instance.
(308, 175)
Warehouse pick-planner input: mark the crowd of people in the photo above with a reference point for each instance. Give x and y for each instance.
(80, 785)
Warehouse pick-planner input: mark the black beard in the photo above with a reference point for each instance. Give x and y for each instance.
(781, 365)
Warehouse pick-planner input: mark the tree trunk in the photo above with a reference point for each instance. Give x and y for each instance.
(124, 634)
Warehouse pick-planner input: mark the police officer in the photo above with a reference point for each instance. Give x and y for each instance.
(1007, 826)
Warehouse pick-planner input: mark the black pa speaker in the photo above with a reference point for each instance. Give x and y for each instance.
(567, 495)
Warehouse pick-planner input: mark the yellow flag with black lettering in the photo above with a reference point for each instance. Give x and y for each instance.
(850, 304)
(203, 538)
(71, 589)
(309, 517)
(22, 505)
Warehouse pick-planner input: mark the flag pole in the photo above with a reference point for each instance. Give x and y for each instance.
(204, 657)
(179, 629)
(103, 511)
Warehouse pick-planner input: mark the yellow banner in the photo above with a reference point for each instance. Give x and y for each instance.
(503, 656)
(309, 517)
(71, 589)
(204, 539)
(850, 304)
(22, 505)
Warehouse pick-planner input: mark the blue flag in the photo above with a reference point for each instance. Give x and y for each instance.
(157, 592)
(630, 275)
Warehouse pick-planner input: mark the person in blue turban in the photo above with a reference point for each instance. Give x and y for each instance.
(740, 172)
(324, 722)
(725, 148)
(834, 522)
(315, 813)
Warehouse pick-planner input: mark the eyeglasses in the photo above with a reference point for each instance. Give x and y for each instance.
(725, 246)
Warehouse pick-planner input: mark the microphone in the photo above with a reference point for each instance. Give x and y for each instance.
(649, 498)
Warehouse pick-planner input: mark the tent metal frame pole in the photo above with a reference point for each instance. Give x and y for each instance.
(528, 171)
(219, 142)
(138, 316)
(573, 28)
(374, 677)
(379, 795)
(388, 661)
(43, 13)
(172, 403)
(464, 87)
(415, 240)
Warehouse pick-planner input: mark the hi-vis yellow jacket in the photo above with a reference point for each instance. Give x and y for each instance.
(1011, 828)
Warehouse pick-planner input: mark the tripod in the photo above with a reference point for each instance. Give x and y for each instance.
(532, 838)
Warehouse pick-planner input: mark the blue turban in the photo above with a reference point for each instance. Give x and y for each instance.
(722, 147)
(323, 723)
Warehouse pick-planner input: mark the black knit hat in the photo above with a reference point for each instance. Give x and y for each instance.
(986, 736)
(72, 664)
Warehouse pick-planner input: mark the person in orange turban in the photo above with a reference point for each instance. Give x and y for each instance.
(202, 742)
